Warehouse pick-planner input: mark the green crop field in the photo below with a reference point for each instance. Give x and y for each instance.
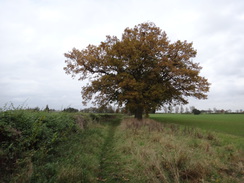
(226, 123)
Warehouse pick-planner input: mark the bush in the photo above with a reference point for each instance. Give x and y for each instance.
(196, 111)
(29, 137)
(70, 109)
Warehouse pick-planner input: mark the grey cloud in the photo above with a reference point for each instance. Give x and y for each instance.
(35, 34)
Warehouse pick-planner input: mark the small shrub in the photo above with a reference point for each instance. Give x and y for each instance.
(196, 111)
(70, 109)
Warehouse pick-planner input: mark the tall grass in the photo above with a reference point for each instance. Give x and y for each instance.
(156, 152)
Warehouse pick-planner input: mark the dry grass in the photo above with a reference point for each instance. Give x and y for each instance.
(167, 153)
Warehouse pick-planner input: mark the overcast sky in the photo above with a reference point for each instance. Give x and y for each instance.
(34, 35)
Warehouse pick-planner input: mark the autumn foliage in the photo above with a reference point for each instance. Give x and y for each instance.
(142, 71)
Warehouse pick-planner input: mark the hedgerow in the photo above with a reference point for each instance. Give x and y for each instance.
(29, 138)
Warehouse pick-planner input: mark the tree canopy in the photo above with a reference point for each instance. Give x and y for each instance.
(142, 71)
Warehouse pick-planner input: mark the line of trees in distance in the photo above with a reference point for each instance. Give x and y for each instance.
(165, 109)
(186, 110)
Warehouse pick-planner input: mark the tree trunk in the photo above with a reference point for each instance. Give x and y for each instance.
(138, 113)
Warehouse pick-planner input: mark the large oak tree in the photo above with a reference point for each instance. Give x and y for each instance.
(142, 71)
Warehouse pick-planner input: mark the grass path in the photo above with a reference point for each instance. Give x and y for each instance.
(110, 163)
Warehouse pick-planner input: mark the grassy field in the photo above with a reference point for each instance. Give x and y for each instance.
(226, 123)
(75, 148)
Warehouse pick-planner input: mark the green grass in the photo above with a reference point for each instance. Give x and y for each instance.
(226, 123)
(58, 147)
(77, 148)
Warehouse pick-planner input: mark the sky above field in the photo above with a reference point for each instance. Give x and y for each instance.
(34, 35)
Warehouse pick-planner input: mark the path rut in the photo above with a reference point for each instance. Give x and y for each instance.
(109, 159)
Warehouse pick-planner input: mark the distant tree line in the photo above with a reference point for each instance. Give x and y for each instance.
(192, 109)
(166, 109)
(103, 109)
